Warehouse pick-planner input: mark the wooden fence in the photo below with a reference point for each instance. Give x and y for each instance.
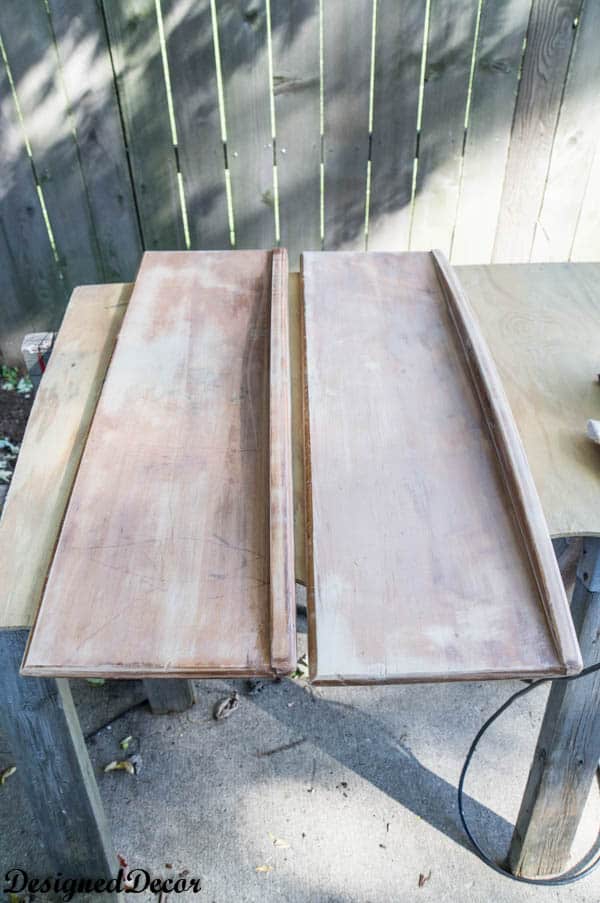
(467, 125)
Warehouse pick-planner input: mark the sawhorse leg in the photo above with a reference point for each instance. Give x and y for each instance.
(169, 695)
(40, 721)
(568, 747)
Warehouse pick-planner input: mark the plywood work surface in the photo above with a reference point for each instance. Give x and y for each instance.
(542, 325)
(180, 520)
(417, 568)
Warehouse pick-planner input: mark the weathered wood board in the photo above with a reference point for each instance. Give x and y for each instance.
(542, 325)
(53, 445)
(176, 552)
(427, 553)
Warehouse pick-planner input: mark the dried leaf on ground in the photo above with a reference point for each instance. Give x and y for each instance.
(4, 775)
(278, 842)
(225, 707)
(423, 879)
(263, 868)
(301, 672)
(120, 765)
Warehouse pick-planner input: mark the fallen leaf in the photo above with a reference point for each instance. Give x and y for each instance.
(7, 773)
(124, 744)
(301, 671)
(225, 707)
(423, 879)
(120, 765)
(263, 868)
(278, 842)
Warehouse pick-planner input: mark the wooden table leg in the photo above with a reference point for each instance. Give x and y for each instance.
(169, 695)
(568, 747)
(40, 721)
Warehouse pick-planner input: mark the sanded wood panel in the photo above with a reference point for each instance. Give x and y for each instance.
(136, 55)
(398, 49)
(550, 39)
(502, 30)
(180, 522)
(577, 137)
(52, 446)
(295, 29)
(428, 557)
(542, 324)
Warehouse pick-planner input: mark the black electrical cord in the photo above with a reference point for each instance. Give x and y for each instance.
(573, 874)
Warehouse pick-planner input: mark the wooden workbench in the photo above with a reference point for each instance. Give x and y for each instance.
(542, 324)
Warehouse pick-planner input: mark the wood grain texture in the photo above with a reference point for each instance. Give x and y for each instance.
(542, 325)
(31, 53)
(245, 66)
(549, 42)
(169, 525)
(39, 720)
(135, 47)
(568, 747)
(399, 45)
(502, 30)
(449, 51)
(87, 78)
(417, 568)
(295, 28)
(296, 351)
(33, 295)
(188, 34)
(575, 142)
(346, 77)
(52, 446)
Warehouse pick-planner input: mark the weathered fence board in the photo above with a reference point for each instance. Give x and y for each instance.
(346, 76)
(188, 33)
(575, 142)
(245, 67)
(549, 42)
(449, 52)
(88, 82)
(502, 30)
(135, 46)
(32, 295)
(398, 51)
(295, 28)
(33, 62)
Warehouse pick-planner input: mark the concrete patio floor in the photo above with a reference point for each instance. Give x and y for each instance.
(347, 795)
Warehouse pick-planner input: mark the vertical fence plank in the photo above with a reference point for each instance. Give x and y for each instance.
(449, 52)
(32, 59)
(188, 34)
(346, 76)
(88, 81)
(549, 42)
(295, 29)
(245, 67)
(502, 31)
(586, 245)
(398, 49)
(32, 295)
(135, 46)
(575, 142)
